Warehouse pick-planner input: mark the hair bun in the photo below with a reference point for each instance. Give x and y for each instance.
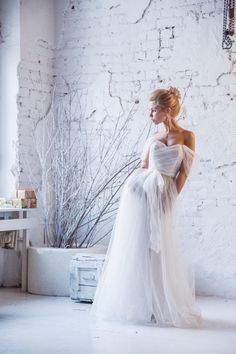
(174, 91)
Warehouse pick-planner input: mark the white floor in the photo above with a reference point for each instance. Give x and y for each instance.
(42, 324)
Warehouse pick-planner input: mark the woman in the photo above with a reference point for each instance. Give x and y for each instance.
(144, 278)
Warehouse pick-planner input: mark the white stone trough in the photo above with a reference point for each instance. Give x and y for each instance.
(49, 268)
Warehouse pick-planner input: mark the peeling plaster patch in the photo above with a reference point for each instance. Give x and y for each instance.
(166, 42)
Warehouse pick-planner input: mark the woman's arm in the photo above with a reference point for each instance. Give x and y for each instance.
(144, 163)
(189, 140)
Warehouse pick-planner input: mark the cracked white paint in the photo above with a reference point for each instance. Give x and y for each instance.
(117, 61)
(134, 10)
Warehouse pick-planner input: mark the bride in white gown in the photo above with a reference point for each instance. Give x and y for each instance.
(144, 277)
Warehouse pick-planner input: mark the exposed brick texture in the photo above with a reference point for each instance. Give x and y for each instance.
(115, 53)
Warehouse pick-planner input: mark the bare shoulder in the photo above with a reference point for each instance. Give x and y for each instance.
(189, 139)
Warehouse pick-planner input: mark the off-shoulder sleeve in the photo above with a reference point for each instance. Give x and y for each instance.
(190, 160)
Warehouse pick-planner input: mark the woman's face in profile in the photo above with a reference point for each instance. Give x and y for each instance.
(157, 113)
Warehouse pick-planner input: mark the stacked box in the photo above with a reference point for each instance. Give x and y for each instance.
(6, 203)
(24, 203)
(25, 194)
(25, 198)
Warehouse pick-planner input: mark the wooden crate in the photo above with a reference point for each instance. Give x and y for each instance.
(85, 270)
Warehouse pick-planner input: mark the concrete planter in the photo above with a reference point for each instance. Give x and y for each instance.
(48, 269)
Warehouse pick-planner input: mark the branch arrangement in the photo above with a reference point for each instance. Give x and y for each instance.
(81, 173)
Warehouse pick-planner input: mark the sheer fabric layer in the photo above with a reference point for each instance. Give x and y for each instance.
(144, 277)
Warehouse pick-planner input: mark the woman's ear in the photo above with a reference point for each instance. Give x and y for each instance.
(168, 111)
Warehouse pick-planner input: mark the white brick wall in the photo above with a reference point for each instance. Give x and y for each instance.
(116, 52)
(35, 89)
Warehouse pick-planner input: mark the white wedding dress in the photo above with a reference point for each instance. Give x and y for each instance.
(144, 277)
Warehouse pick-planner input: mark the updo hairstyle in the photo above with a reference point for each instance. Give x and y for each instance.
(167, 98)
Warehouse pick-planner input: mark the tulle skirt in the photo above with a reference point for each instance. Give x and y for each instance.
(144, 277)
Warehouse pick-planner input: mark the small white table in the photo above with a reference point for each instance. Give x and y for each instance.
(20, 220)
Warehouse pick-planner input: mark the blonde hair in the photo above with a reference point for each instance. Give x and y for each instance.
(167, 98)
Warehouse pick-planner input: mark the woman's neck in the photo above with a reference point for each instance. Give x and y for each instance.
(173, 128)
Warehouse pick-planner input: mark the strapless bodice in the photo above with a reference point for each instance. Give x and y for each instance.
(167, 158)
